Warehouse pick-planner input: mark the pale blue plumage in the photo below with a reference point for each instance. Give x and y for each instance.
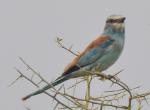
(94, 54)
(99, 55)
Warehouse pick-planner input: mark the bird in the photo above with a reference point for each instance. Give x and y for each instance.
(99, 55)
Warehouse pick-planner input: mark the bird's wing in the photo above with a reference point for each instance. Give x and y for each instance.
(93, 51)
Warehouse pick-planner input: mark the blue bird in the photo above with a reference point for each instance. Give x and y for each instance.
(97, 56)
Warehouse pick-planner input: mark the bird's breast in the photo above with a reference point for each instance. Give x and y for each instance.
(110, 56)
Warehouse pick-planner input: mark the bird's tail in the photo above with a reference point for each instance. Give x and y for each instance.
(56, 82)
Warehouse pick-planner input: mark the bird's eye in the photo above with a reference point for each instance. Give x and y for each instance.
(115, 21)
(110, 21)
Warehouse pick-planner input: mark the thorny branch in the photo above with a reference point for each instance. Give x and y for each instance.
(109, 98)
(59, 41)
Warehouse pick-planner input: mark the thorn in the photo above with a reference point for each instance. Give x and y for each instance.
(27, 108)
(56, 106)
(119, 72)
(15, 81)
(32, 76)
(146, 100)
(112, 84)
(57, 91)
(64, 89)
(39, 82)
(70, 48)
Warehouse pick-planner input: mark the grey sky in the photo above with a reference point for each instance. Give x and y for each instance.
(28, 28)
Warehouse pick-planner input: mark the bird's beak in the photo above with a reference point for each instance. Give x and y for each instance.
(124, 18)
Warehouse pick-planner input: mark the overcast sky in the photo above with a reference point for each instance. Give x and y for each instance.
(28, 28)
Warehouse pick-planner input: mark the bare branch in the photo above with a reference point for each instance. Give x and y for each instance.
(59, 41)
(110, 98)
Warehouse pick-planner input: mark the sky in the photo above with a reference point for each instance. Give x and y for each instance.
(28, 28)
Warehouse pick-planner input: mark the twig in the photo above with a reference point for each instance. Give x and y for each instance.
(62, 46)
(15, 80)
(87, 97)
(44, 91)
(107, 100)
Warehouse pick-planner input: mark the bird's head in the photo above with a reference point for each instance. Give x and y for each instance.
(115, 22)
